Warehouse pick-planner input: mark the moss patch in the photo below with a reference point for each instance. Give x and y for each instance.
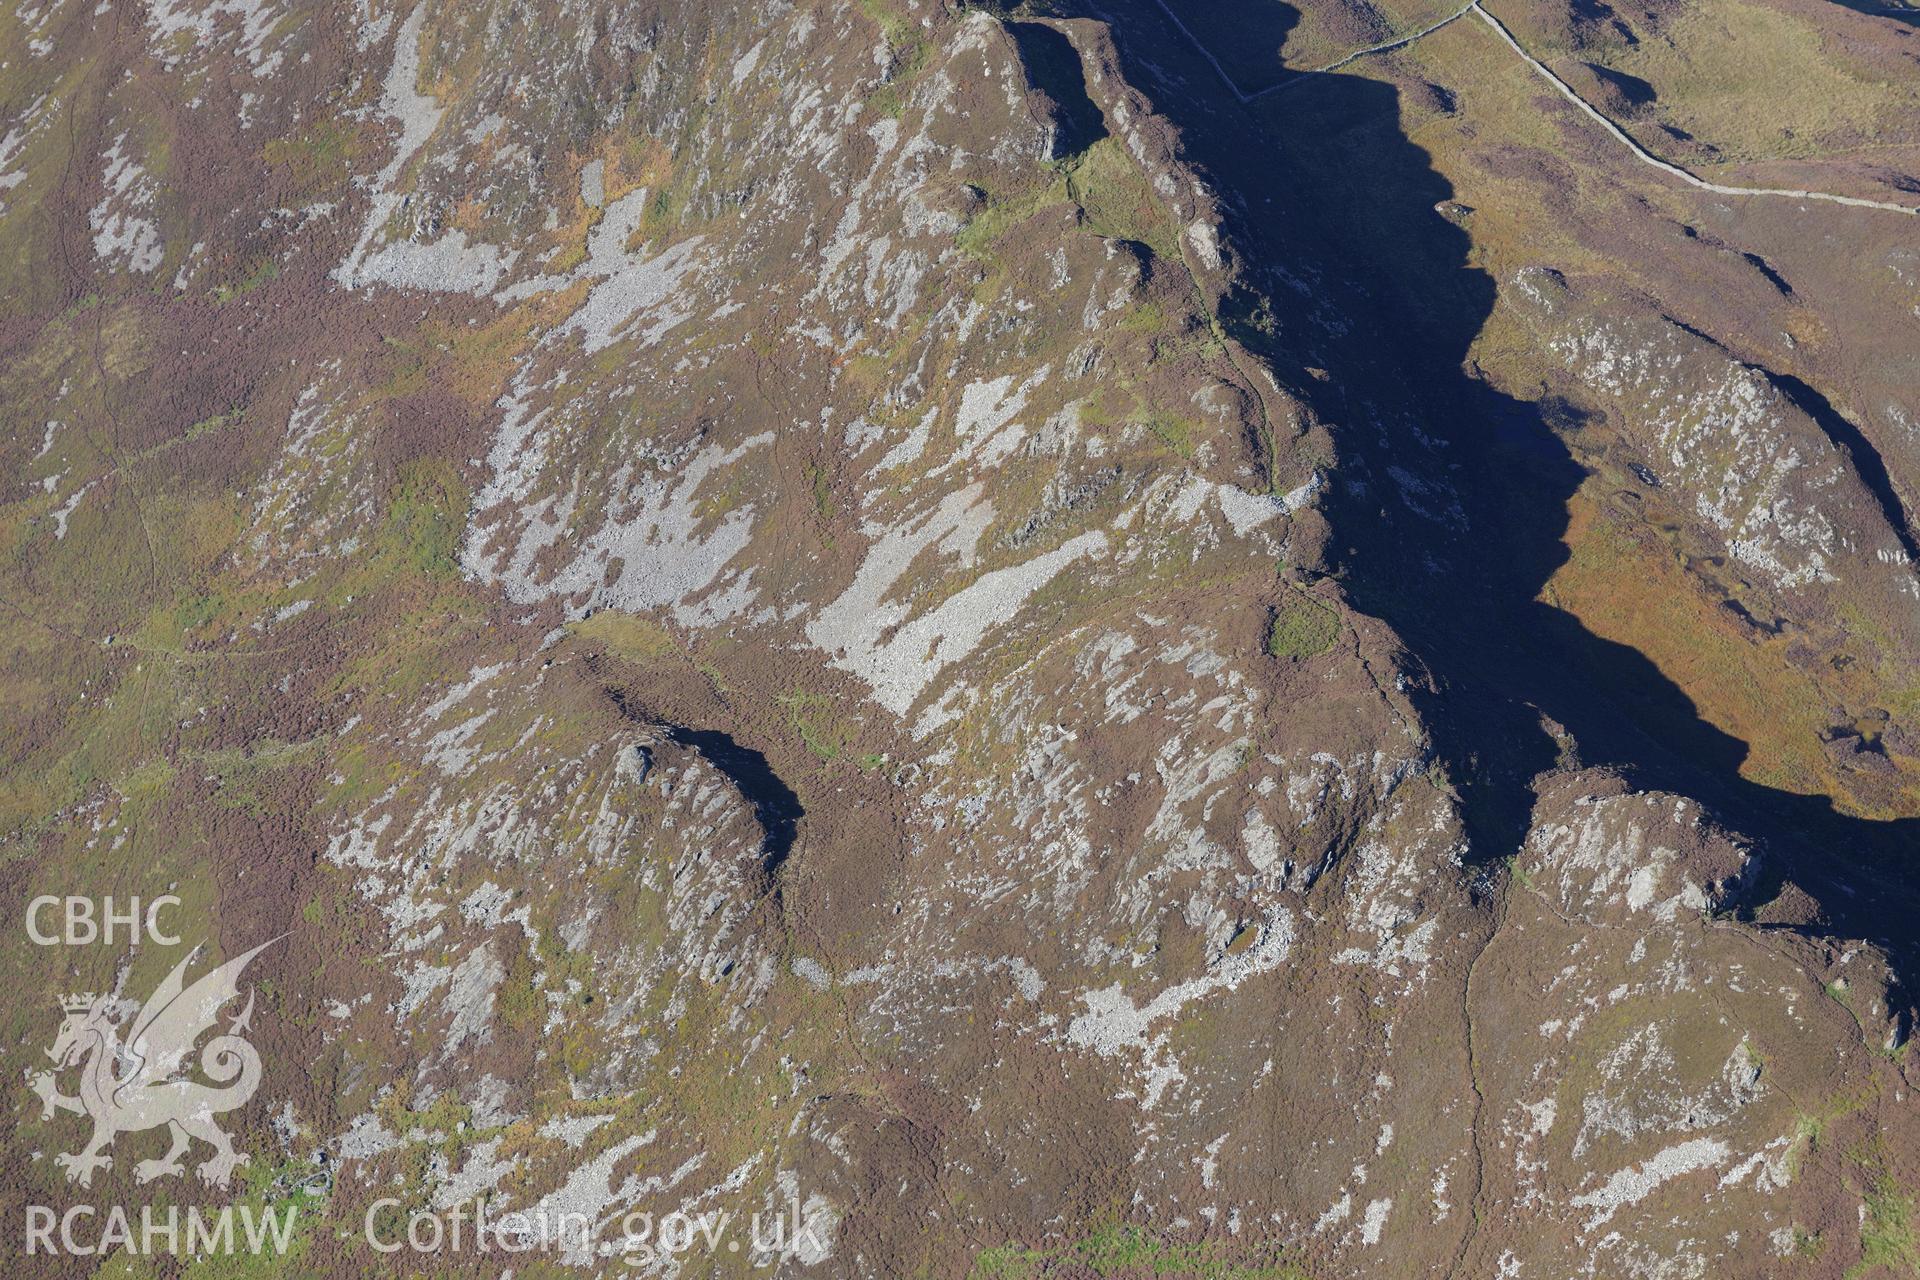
(1887, 1236)
(1302, 628)
(1126, 1251)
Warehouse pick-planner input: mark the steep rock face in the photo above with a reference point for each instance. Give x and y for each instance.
(1777, 503)
(1606, 858)
(756, 582)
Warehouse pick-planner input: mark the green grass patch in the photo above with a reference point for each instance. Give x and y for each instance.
(245, 777)
(1887, 1237)
(902, 35)
(823, 503)
(1175, 433)
(1303, 628)
(319, 160)
(625, 636)
(1114, 197)
(1005, 211)
(424, 516)
(265, 271)
(1127, 1251)
(810, 715)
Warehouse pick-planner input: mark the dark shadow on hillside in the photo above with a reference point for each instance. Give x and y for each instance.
(774, 804)
(1248, 37)
(1632, 91)
(1850, 440)
(1452, 509)
(1053, 71)
(1896, 12)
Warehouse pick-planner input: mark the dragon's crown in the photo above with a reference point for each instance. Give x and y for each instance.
(78, 1003)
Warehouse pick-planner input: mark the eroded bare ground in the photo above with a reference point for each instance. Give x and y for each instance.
(922, 611)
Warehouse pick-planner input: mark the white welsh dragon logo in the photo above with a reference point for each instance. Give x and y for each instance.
(138, 1083)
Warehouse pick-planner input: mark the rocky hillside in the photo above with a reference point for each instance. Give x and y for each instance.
(1038, 635)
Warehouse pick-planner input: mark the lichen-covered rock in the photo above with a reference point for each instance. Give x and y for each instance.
(1603, 853)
